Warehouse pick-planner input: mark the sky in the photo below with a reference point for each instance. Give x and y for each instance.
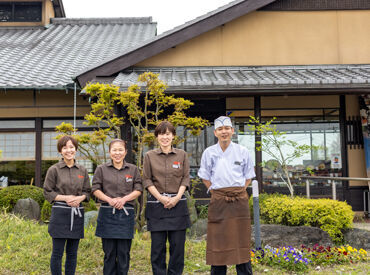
(167, 13)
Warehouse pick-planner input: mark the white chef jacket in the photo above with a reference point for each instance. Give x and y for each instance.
(226, 169)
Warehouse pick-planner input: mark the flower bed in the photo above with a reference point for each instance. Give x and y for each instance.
(299, 260)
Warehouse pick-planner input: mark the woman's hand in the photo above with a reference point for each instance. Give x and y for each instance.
(120, 202)
(74, 201)
(164, 200)
(172, 202)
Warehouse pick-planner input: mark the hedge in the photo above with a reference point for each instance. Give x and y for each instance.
(10, 195)
(330, 215)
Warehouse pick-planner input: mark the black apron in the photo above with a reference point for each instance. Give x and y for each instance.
(163, 219)
(66, 222)
(114, 223)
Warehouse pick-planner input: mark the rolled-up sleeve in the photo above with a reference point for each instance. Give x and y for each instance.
(147, 172)
(50, 185)
(185, 181)
(97, 183)
(138, 186)
(248, 170)
(86, 189)
(204, 171)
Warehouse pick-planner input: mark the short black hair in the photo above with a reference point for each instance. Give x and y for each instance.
(63, 142)
(117, 140)
(162, 128)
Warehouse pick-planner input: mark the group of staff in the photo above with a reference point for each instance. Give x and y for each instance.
(226, 170)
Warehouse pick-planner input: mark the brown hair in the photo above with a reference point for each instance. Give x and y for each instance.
(163, 127)
(117, 140)
(63, 142)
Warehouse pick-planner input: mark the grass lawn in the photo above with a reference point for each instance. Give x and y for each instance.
(25, 248)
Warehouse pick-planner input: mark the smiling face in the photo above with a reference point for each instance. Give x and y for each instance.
(117, 152)
(68, 151)
(224, 134)
(165, 139)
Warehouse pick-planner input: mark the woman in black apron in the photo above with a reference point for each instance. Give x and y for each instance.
(66, 185)
(116, 184)
(166, 177)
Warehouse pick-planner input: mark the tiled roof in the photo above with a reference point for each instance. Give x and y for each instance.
(259, 77)
(45, 58)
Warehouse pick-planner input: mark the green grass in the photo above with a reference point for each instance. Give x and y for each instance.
(25, 248)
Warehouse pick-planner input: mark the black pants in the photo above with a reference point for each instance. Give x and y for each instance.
(158, 252)
(241, 269)
(116, 256)
(57, 254)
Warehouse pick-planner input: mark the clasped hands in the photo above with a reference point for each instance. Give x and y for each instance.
(117, 203)
(74, 201)
(169, 202)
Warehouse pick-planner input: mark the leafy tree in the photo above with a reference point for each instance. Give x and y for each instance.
(143, 109)
(278, 147)
(146, 109)
(102, 117)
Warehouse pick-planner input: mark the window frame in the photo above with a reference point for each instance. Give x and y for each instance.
(13, 6)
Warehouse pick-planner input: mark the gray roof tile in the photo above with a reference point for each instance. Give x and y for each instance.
(261, 77)
(49, 57)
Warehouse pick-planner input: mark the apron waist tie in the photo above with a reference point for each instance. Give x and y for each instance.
(75, 211)
(114, 209)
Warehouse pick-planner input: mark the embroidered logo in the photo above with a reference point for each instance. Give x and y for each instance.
(176, 164)
(80, 177)
(237, 163)
(128, 178)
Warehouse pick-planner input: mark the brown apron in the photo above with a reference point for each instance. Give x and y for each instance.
(229, 227)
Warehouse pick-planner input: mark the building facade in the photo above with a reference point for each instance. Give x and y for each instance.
(304, 63)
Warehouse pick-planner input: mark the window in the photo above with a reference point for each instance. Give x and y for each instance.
(21, 12)
(323, 160)
(17, 163)
(17, 124)
(17, 146)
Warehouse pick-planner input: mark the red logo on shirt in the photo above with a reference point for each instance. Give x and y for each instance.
(128, 177)
(80, 177)
(176, 162)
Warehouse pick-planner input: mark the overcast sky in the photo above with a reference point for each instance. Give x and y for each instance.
(167, 13)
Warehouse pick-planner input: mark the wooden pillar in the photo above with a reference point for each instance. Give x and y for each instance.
(343, 147)
(38, 152)
(257, 114)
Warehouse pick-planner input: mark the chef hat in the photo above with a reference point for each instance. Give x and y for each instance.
(223, 121)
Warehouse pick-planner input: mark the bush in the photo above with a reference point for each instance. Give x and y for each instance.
(330, 215)
(89, 206)
(46, 209)
(10, 195)
(202, 210)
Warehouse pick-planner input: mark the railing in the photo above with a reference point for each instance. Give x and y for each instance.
(333, 183)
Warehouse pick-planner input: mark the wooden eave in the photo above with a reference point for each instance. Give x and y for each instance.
(59, 8)
(171, 39)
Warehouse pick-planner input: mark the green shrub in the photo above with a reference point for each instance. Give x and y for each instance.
(89, 206)
(46, 209)
(10, 195)
(330, 215)
(202, 210)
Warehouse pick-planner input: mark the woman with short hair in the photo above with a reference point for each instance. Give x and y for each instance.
(116, 184)
(66, 185)
(166, 177)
